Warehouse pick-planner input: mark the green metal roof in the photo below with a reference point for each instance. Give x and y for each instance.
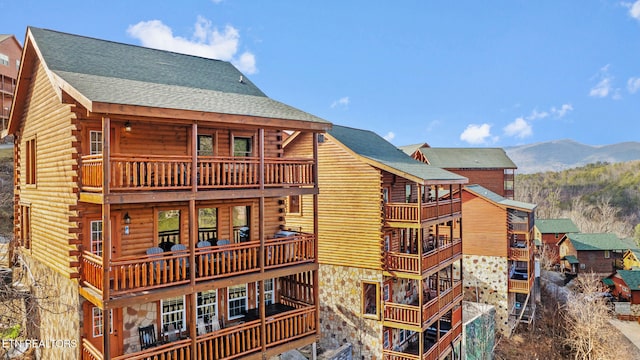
(556, 226)
(116, 73)
(599, 242)
(571, 259)
(631, 278)
(498, 199)
(372, 146)
(608, 282)
(468, 158)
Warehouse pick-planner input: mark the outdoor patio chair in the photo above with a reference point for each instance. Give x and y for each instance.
(156, 252)
(148, 337)
(180, 247)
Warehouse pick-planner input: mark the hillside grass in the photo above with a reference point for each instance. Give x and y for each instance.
(6, 154)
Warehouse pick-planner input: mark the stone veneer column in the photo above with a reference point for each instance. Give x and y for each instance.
(340, 311)
(486, 280)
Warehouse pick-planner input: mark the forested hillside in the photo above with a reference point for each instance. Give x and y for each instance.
(599, 197)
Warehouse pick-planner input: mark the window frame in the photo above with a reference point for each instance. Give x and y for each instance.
(214, 143)
(95, 142)
(607, 254)
(251, 137)
(31, 158)
(99, 243)
(271, 292)
(365, 286)
(237, 309)
(183, 312)
(297, 208)
(97, 322)
(201, 309)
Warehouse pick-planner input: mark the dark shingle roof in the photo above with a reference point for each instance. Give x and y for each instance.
(599, 242)
(116, 73)
(372, 146)
(468, 158)
(556, 226)
(498, 199)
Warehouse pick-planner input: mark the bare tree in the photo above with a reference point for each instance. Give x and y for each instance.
(586, 313)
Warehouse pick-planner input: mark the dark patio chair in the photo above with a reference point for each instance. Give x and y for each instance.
(148, 337)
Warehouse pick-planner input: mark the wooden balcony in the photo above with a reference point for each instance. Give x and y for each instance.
(519, 254)
(413, 213)
(442, 346)
(147, 272)
(151, 172)
(231, 342)
(412, 264)
(521, 286)
(403, 315)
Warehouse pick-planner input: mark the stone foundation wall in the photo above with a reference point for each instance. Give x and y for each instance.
(134, 317)
(53, 314)
(486, 280)
(635, 310)
(341, 320)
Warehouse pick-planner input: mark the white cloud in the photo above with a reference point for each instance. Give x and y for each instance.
(535, 114)
(206, 41)
(562, 111)
(476, 134)
(343, 101)
(602, 89)
(634, 11)
(390, 136)
(633, 84)
(519, 128)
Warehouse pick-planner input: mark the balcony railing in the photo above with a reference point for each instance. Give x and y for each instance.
(227, 343)
(156, 172)
(405, 314)
(519, 254)
(145, 272)
(412, 264)
(411, 212)
(433, 353)
(521, 286)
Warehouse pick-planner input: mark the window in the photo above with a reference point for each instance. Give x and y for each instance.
(30, 158)
(208, 225)
(294, 204)
(96, 237)
(237, 301)
(207, 306)
(386, 292)
(25, 226)
(607, 254)
(241, 227)
(268, 292)
(95, 142)
(583, 266)
(242, 146)
(386, 194)
(386, 343)
(168, 228)
(205, 145)
(402, 335)
(17, 64)
(173, 313)
(97, 322)
(4, 60)
(407, 193)
(370, 296)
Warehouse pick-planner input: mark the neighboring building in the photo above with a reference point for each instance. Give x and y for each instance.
(149, 200)
(498, 261)
(490, 167)
(389, 247)
(631, 259)
(10, 52)
(600, 253)
(625, 285)
(550, 231)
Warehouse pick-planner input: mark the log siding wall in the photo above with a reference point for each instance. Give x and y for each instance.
(486, 234)
(51, 123)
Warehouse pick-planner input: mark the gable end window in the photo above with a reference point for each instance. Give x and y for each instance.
(30, 161)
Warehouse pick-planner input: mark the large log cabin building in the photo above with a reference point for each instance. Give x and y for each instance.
(149, 197)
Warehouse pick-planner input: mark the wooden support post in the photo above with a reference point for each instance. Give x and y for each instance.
(106, 236)
(316, 293)
(261, 210)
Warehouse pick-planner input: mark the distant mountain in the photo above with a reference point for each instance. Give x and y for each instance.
(565, 154)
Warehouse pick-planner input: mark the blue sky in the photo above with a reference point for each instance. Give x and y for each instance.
(473, 73)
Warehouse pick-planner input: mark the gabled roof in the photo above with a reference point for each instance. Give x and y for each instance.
(410, 149)
(631, 278)
(556, 226)
(571, 259)
(104, 75)
(381, 153)
(467, 158)
(481, 191)
(597, 242)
